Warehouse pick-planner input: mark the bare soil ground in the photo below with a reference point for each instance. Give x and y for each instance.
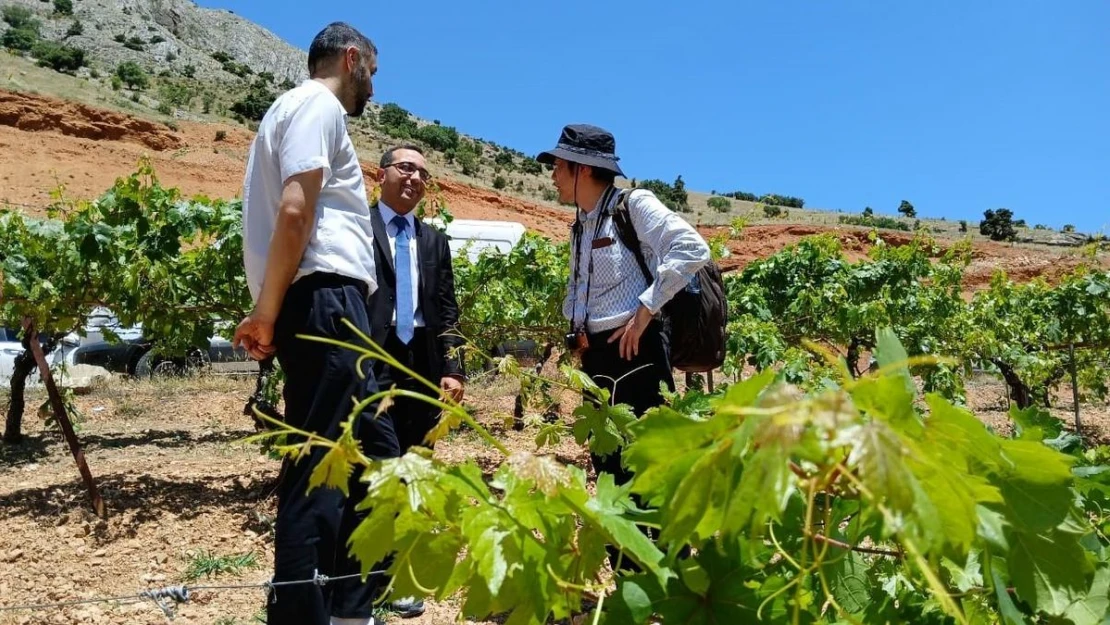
(178, 483)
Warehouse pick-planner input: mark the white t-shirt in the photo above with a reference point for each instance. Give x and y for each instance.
(306, 129)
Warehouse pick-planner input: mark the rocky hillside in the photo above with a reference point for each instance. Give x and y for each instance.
(168, 36)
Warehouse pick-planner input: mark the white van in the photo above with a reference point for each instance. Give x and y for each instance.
(475, 235)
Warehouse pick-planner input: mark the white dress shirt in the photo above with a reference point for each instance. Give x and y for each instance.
(414, 265)
(306, 129)
(673, 251)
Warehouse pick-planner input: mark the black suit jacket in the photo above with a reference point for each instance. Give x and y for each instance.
(436, 291)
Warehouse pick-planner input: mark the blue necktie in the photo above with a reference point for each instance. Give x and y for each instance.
(404, 281)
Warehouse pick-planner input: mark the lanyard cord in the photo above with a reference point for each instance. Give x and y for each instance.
(576, 232)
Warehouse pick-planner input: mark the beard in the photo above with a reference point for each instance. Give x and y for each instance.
(360, 90)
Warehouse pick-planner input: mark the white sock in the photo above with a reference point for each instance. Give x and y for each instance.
(364, 620)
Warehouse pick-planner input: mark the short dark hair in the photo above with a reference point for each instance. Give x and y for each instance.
(387, 156)
(603, 176)
(333, 40)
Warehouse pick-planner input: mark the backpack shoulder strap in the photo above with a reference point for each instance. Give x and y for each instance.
(627, 233)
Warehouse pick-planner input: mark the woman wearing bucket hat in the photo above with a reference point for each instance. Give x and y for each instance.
(613, 309)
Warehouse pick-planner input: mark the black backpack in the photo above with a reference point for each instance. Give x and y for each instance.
(697, 313)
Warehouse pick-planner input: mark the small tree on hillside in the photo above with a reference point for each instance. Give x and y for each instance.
(719, 203)
(868, 211)
(998, 225)
(257, 101)
(132, 75)
(907, 209)
(18, 16)
(63, 7)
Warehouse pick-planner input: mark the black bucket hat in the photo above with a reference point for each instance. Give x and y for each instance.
(586, 145)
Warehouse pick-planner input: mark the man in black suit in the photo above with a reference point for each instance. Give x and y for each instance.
(413, 313)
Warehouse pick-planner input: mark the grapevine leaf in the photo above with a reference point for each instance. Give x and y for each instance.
(601, 426)
(764, 488)
(992, 528)
(485, 537)
(372, 540)
(666, 444)
(1036, 507)
(1034, 423)
(886, 398)
(1035, 463)
(1048, 570)
(879, 454)
(544, 471)
(849, 583)
(890, 353)
(607, 509)
(1095, 607)
(334, 469)
(1010, 614)
(634, 600)
(745, 393)
(429, 561)
(967, 576)
(728, 598)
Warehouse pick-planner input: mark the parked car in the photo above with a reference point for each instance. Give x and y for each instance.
(132, 353)
(474, 235)
(11, 346)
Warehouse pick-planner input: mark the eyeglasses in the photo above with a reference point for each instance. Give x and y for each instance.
(409, 169)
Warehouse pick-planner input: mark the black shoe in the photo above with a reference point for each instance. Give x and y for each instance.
(407, 607)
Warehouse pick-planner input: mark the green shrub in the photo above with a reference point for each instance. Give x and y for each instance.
(63, 7)
(176, 94)
(873, 221)
(504, 159)
(254, 105)
(58, 57)
(673, 196)
(396, 121)
(18, 16)
(719, 203)
(530, 165)
(441, 138)
(772, 210)
(499, 182)
(998, 225)
(21, 39)
(132, 75)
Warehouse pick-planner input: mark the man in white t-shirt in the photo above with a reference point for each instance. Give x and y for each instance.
(308, 251)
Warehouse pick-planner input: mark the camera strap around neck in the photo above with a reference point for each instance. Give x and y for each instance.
(576, 235)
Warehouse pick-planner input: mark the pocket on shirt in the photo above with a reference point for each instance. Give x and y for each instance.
(608, 265)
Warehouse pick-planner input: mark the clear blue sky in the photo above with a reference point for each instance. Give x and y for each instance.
(955, 106)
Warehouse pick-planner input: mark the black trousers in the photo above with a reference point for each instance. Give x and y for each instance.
(412, 418)
(640, 390)
(311, 529)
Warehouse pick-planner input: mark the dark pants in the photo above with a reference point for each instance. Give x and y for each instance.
(411, 418)
(311, 529)
(640, 390)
